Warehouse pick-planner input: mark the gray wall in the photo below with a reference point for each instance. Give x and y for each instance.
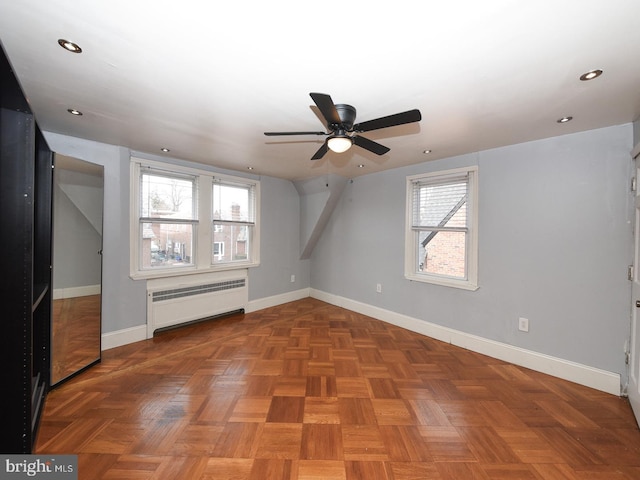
(555, 242)
(75, 240)
(280, 242)
(554, 245)
(124, 300)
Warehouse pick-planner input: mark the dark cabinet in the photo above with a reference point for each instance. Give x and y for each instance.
(26, 164)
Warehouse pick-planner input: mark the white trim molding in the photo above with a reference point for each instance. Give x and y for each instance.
(598, 379)
(275, 300)
(70, 292)
(136, 334)
(124, 337)
(459, 176)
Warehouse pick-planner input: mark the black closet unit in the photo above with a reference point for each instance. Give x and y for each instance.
(26, 164)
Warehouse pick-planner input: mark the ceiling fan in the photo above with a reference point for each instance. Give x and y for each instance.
(343, 132)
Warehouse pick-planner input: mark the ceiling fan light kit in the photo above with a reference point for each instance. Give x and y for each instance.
(339, 143)
(343, 132)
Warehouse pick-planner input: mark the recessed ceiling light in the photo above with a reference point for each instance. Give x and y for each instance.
(73, 111)
(426, 152)
(70, 46)
(590, 75)
(564, 119)
(361, 165)
(249, 168)
(165, 150)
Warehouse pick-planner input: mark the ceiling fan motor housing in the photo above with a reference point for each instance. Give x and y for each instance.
(347, 115)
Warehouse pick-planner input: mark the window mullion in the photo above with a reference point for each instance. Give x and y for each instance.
(440, 229)
(232, 222)
(204, 235)
(167, 220)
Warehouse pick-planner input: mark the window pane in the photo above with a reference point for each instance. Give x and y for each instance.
(440, 205)
(166, 245)
(231, 243)
(233, 203)
(442, 253)
(165, 196)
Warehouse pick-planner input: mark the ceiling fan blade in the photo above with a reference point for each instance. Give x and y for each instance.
(275, 134)
(327, 108)
(389, 121)
(370, 145)
(321, 152)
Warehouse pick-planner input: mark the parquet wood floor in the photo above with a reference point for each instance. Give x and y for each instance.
(75, 340)
(307, 390)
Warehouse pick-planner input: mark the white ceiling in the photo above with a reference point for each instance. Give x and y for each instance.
(206, 79)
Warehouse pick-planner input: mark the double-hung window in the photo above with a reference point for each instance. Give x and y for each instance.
(441, 233)
(234, 221)
(186, 220)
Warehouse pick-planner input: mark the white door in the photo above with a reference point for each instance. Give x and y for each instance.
(634, 350)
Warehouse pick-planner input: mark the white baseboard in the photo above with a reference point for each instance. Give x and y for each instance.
(602, 380)
(136, 334)
(123, 337)
(275, 300)
(84, 291)
(598, 379)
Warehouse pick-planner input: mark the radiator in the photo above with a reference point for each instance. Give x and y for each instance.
(178, 300)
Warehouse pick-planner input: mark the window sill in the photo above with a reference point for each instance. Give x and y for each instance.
(179, 272)
(444, 282)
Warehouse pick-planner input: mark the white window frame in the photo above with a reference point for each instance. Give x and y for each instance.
(225, 220)
(411, 272)
(203, 229)
(192, 221)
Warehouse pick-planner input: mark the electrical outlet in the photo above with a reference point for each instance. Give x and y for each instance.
(523, 324)
(379, 288)
(293, 278)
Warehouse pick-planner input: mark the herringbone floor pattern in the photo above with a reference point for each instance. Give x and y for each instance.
(307, 390)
